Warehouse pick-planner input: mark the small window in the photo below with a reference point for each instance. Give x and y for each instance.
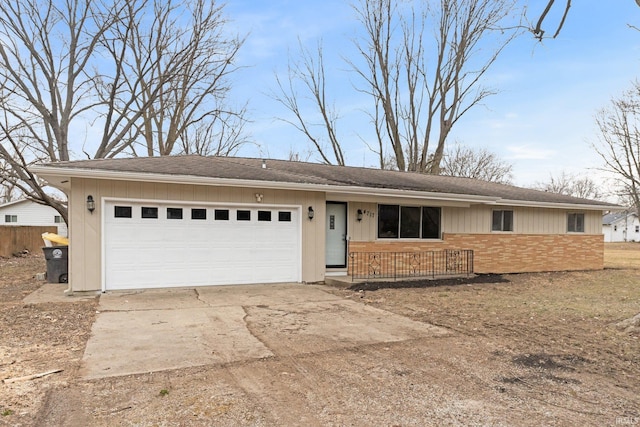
(637, 228)
(502, 221)
(122, 211)
(57, 219)
(575, 223)
(264, 215)
(11, 218)
(221, 215)
(149, 212)
(174, 213)
(284, 216)
(615, 228)
(198, 213)
(243, 215)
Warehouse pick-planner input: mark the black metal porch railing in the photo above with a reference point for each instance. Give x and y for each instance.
(396, 265)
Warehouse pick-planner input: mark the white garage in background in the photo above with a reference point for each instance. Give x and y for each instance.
(159, 244)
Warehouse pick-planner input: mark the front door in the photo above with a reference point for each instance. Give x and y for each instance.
(336, 253)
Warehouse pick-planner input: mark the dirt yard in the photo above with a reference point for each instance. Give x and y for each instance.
(528, 349)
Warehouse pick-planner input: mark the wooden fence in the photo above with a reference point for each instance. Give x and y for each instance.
(16, 238)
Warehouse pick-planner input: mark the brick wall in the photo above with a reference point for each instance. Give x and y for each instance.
(509, 253)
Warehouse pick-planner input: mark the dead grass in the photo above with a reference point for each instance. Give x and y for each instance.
(622, 255)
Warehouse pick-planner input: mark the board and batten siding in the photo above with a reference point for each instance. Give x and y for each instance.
(477, 220)
(85, 267)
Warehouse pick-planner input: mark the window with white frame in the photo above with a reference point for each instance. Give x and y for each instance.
(502, 220)
(575, 223)
(11, 218)
(408, 222)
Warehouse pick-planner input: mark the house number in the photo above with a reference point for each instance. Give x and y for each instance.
(332, 222)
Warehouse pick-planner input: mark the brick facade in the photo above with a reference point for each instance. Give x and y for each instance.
(509, 253)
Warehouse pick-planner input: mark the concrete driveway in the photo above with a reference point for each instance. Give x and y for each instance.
(155, 330)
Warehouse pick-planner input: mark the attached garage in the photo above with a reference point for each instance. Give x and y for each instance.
(159, 244)
(188, 221)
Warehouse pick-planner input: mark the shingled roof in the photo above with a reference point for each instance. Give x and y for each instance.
(316, 176)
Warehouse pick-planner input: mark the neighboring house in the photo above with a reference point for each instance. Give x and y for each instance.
(621, 227)
(195, 221)
(26, 212)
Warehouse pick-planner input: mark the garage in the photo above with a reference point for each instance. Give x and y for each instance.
(151, 244)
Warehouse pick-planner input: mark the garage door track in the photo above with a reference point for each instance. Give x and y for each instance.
(154, 330)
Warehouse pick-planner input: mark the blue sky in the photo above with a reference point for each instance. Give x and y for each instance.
(542, 120)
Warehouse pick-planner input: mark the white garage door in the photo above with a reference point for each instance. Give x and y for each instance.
(156, 245)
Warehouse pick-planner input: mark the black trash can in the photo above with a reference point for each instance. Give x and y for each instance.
(57, 263)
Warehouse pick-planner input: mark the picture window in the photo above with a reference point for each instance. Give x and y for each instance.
(408, 222)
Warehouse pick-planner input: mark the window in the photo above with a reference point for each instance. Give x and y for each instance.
(11, 218)
(243, 215)
(148, 212)
(430, 223)
(221, 215)
(408, 222)
(174, 213)
(637, 228)
(57, 219)
(122, 211)
(575, 223)
(264, 215)
(502, 221)
(198, 213)
(388, 221)
(615, 228)
(284, 216)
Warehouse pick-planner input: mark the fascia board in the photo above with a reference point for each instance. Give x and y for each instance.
(48, 172)
(576, 206)
(55, 172)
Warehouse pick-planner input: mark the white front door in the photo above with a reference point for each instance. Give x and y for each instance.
(336, 228)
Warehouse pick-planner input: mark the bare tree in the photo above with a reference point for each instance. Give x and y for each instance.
(619, 141)
(309, 72)
(420, 83)
(538, 30)
(476, 163)
(571, 185)
(136, 72)
(183, 58)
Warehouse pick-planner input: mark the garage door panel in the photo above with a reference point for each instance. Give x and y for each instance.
(161, 252)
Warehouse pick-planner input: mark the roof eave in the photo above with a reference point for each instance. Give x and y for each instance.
(554, 205)
(59, 177)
